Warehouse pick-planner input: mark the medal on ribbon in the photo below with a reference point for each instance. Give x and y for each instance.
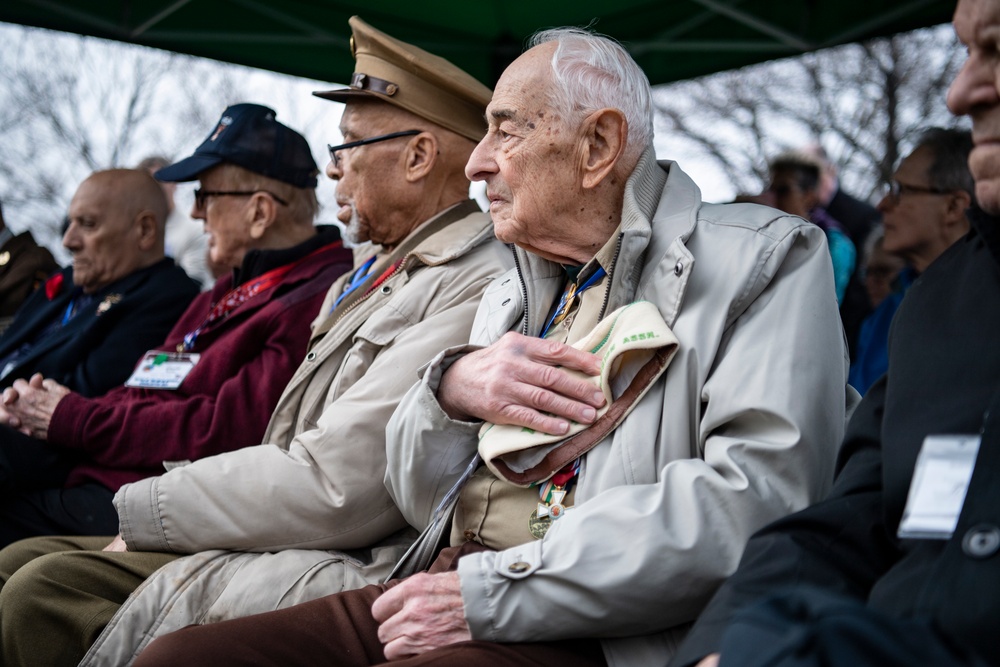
(546, 512)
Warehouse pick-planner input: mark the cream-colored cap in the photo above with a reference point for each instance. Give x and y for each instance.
(409, 77)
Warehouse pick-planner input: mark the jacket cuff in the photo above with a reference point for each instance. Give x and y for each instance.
(430, 381)
(139, 517)
(67, 421)
(432, 371)
(484, 577)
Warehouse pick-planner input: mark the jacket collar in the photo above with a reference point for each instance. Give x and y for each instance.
(440, 240)
(259, 262)
(121, 285)
(987, 227)
(446, 236)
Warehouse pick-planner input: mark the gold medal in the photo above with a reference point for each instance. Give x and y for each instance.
(537, 525)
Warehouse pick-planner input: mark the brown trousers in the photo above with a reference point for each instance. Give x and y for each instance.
(339, 631)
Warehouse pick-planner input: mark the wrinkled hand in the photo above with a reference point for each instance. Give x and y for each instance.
(421, 614)
(516, 381)
(28, 405)
(7, 398)
(711, 660)
(117, 545)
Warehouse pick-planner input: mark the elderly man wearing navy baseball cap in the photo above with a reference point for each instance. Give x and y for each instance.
(210, 386)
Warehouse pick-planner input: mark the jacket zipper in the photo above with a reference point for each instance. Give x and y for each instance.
(611, 275)
(524, 290)
(400, 268)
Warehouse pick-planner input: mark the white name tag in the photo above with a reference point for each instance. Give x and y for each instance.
(162, 370)
(937, 491)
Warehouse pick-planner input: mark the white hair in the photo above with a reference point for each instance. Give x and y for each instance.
(592, 72)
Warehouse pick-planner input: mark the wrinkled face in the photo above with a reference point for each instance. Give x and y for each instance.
(530, 161)
(788, 195)
(102, 236)
(976, 93)
(226, 219)
(368, 177)
(914, 228)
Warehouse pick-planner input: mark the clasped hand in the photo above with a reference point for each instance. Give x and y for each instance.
(28, 405)
(518, 380)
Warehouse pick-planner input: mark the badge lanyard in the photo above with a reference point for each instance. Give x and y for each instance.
(240, 295)
(359, 277)
(76, 304)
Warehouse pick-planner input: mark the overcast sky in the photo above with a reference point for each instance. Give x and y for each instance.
(172, 134)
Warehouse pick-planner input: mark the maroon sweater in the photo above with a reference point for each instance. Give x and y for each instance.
(226, 400)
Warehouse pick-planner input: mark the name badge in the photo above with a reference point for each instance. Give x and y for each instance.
(937, 491)
(162, 370)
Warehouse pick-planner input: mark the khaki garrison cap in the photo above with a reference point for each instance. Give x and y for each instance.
(409, 77)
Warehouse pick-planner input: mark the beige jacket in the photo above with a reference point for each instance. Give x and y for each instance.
(317, 485)
(742, 428)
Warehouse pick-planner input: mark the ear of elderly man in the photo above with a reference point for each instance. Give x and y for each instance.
(307, 511)
(654, 380)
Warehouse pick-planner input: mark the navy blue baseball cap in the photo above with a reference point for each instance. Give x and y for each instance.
(249, 136)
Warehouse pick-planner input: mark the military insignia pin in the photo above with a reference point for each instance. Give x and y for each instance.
(105, 305)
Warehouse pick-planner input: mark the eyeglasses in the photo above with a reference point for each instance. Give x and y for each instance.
(895, 190)
(201, 196)
(373, 140)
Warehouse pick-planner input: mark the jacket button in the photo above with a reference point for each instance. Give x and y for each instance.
(311, 356)
(505, 302)
(981, 541)
(469, 535)
(518, 567)
(386, 289)
(678, 269)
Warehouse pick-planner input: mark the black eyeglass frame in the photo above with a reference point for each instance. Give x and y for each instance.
(200, 196)
(894, 190)
(363, 142)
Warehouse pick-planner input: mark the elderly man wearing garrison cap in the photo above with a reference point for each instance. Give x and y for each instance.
(574, 544)
(307, 512)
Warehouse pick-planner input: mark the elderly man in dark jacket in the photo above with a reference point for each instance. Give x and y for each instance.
(93, 320)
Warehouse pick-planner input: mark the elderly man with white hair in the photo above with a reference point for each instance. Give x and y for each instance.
(654, 380)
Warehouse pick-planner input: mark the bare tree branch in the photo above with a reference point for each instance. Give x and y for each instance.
(864, 102)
